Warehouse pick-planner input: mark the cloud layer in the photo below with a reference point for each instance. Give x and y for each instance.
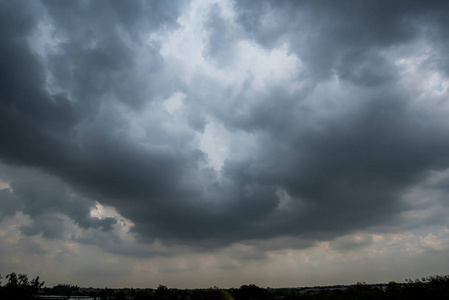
(160, 128)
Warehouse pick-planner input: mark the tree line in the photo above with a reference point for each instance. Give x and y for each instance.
(19, 287)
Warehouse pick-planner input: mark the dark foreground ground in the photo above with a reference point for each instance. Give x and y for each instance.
(18, 287)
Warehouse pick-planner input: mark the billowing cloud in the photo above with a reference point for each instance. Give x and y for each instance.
(237, 128)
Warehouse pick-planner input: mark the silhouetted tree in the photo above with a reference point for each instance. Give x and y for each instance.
(19, 287)
(251, 292)
(162, 292)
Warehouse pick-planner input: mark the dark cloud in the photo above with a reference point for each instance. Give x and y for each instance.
(367, 69)
(322, 33)
(45, 199)
(321, 163)
(39, 129)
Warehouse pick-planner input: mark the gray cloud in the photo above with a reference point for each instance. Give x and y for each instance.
(45, 199)
(322, 33)
(343, 157)
(220, 43)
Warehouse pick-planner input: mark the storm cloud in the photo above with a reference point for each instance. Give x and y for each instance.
(153, 128)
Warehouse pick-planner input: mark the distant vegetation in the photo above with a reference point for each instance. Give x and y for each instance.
(18, 287)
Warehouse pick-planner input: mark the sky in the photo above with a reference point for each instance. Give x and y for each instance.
(220, 143)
